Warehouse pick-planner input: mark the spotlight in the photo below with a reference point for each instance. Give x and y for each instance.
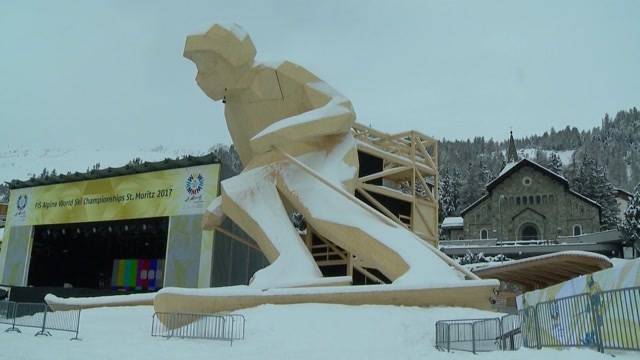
(94, 230)
(109, 229)
(64, 231)
(126, 228)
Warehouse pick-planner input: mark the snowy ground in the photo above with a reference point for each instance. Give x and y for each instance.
(305, 331)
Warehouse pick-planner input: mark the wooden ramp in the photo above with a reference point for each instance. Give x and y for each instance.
(539, 272)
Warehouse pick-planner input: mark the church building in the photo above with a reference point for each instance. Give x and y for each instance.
(527, 201)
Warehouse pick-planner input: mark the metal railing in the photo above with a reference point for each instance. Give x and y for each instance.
(227, 327)
(40, 316)
(566, 322)
(511, 332)
(603, 320)
(475, 335)
(618, 314)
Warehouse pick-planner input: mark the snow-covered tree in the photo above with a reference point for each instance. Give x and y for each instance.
(448, 199)
(630, 226)
(591, 181)
(555, 164)
(228, 156)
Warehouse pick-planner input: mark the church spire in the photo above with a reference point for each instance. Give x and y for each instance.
(512, 153)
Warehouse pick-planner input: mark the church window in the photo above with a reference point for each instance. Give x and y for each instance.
(524, 200)
(577, 229)
(544, 199)
(530, 199)
(484, 234)
(518, 200)
(538, 199)
(526, 181)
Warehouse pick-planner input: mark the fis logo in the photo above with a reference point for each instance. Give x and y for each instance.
(194, 186)
(21, 205)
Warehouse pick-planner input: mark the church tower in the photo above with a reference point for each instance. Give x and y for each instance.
(512, 153)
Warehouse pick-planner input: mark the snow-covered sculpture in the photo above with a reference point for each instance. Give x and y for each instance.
(292, 132)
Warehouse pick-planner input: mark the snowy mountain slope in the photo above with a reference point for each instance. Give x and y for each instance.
(566, 156)
(23, 163)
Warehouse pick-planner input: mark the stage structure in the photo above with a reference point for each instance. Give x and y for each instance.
(299, 143)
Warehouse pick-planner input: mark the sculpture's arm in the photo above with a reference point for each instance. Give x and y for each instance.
(336, 116)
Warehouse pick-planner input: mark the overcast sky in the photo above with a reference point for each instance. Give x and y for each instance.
(111, 73)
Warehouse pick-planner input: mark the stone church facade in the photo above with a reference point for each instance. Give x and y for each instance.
(529, 202)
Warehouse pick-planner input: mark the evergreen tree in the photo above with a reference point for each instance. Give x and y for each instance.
(591, 181)
(630, 226)
(555, 164)
(474, 186)
(448, 199)
(44, 173)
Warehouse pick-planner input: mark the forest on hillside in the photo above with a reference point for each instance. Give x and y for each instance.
(613, 149)
(609, 152)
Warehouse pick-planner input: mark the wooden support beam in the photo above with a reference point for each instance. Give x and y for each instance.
(399, 159)
(428, 224)
(426, 155)
(340, 190)
(424, 184)
(379, 206)
(395, 194)
(366, 273)
(384, 173)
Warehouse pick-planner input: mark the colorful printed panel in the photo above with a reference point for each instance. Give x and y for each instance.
(137, 274)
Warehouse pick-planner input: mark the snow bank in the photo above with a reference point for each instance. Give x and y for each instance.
(306, 331)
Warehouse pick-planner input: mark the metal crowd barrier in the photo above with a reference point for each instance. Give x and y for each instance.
(566, 322)
(39, 316)
(511, 332)
(604, 320)
(475, 335)
(227, 327)
(618, 313)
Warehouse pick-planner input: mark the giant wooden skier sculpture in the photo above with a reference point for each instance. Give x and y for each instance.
(293, 134)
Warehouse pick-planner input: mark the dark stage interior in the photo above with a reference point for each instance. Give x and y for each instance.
(82, 255)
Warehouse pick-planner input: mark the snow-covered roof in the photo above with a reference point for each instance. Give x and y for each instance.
(507, 167)
(118, 171)
(622, 193)
(512, 167)
(452, 222)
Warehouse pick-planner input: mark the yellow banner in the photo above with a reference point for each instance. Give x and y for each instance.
(184, 191)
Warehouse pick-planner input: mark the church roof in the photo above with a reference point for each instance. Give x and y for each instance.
(512, 167)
